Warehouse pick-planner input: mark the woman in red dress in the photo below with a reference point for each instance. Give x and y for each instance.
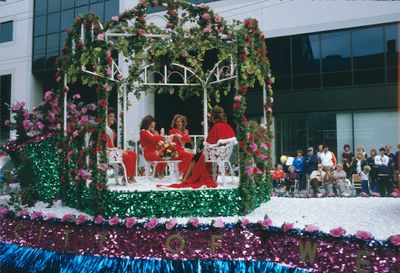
(181, 137)
(128, 157)
(197, 174)
(150, 140)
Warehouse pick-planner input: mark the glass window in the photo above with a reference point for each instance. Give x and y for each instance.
(40, 25)
(53, 22)
(5, 85)
(6, 31)
(67, 18)
(53, 5)
(392, 51)
(40, 7)
(81, 10)
(282, 82)
(53, 49)
(336, 79)
(369, 76)
(306, 54)
(111, 8)
(66, 4)
(335, 47)
(98, 9)
(39, 52)
(280, 55)
(95, 1)
(367, 47)
(81, 2)
(306, 81)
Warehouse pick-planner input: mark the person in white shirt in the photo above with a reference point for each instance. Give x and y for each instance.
(327, 158)
(383, 172)
(364, 180)
(317, 177)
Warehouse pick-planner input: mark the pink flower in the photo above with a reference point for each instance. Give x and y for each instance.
(68, 217)
(206, 17)
(130, 221)
(218, 18)
(40, 125)
(337, 232)
(254, 147)
(237, 98)
(108, 70)
(26, 115)
(249, 170)
(51, 215)
(100, 37)
(84, 174)
(82, 219)
(7, 122)
(363, 235)
(76, 96)
(311, 228)
(4, 211)
(26, 124)
(47, 96)
(170, 224)
(244, 222)
(36, 214)
(219, 223)
(106, 87)
(99, 220)
(287, 226)
(102, 166)
(22, 103)
(257, 170)
(266, 223)
(202, 6)
(115, 18)
(16, 107)
(207, 29)
(395, 240)
(152, 223)
(113, 221)
(194, 222)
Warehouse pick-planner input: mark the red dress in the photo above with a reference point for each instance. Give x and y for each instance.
(128, 157)
(183, 155)
(200, 175)
(149, 141)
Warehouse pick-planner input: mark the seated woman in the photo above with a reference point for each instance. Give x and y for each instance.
(197, 174)
(340, 176)
(150, 141)
(181, 137)
(128, 157)
(290, 178)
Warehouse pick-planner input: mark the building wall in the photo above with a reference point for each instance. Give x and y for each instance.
(16, 55)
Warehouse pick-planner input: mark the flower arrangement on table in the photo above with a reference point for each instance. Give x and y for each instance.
(168, 150)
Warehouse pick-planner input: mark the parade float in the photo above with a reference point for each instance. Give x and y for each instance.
(61, 153)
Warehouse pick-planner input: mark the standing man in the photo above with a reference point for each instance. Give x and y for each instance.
(299, 167)
(327, 158)
(310, 163)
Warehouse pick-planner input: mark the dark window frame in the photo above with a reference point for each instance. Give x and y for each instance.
(6, 39)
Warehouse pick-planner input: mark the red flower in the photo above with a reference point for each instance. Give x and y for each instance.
(251, 137)
(86, 25)
(243, 89)
(100, 186)
(78, 19)
(242, 143)
(103, 103)
(255, 22)
(236, 105)
(247, 23)
(247, 37)
(262, 37)
(103, 137)
(99, 120)
(243, 57)
(244, 119)
(79, 45)
(266, 106)
(69, 30)
(108, 58)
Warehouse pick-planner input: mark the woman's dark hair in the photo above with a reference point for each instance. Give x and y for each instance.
(146, 121)
(111, 111)
(182, 117)
(346, 146)
(218, 114)
(382, 149)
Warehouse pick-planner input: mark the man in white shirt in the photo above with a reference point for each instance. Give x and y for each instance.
(327, 158)
(383, 171)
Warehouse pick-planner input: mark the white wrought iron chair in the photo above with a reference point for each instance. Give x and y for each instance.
(115, 158)
(219, 154)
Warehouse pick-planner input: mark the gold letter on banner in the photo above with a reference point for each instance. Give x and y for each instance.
(181, 244)
(308, 251)
(102, 237)
(67, 232)
(214, 243)
(17, 236)
(361, 261)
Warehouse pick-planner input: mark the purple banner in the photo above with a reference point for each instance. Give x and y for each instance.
(300, 250)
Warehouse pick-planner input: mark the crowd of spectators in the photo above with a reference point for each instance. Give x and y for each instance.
(375, 174)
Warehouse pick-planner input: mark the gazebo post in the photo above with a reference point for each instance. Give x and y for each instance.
(264, 102)
(124, 115)
(65, 104)
(205, 112)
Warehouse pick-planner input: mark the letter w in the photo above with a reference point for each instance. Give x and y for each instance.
(308, 251)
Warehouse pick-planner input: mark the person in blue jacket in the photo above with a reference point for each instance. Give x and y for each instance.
(299, 167)
(311, 162)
